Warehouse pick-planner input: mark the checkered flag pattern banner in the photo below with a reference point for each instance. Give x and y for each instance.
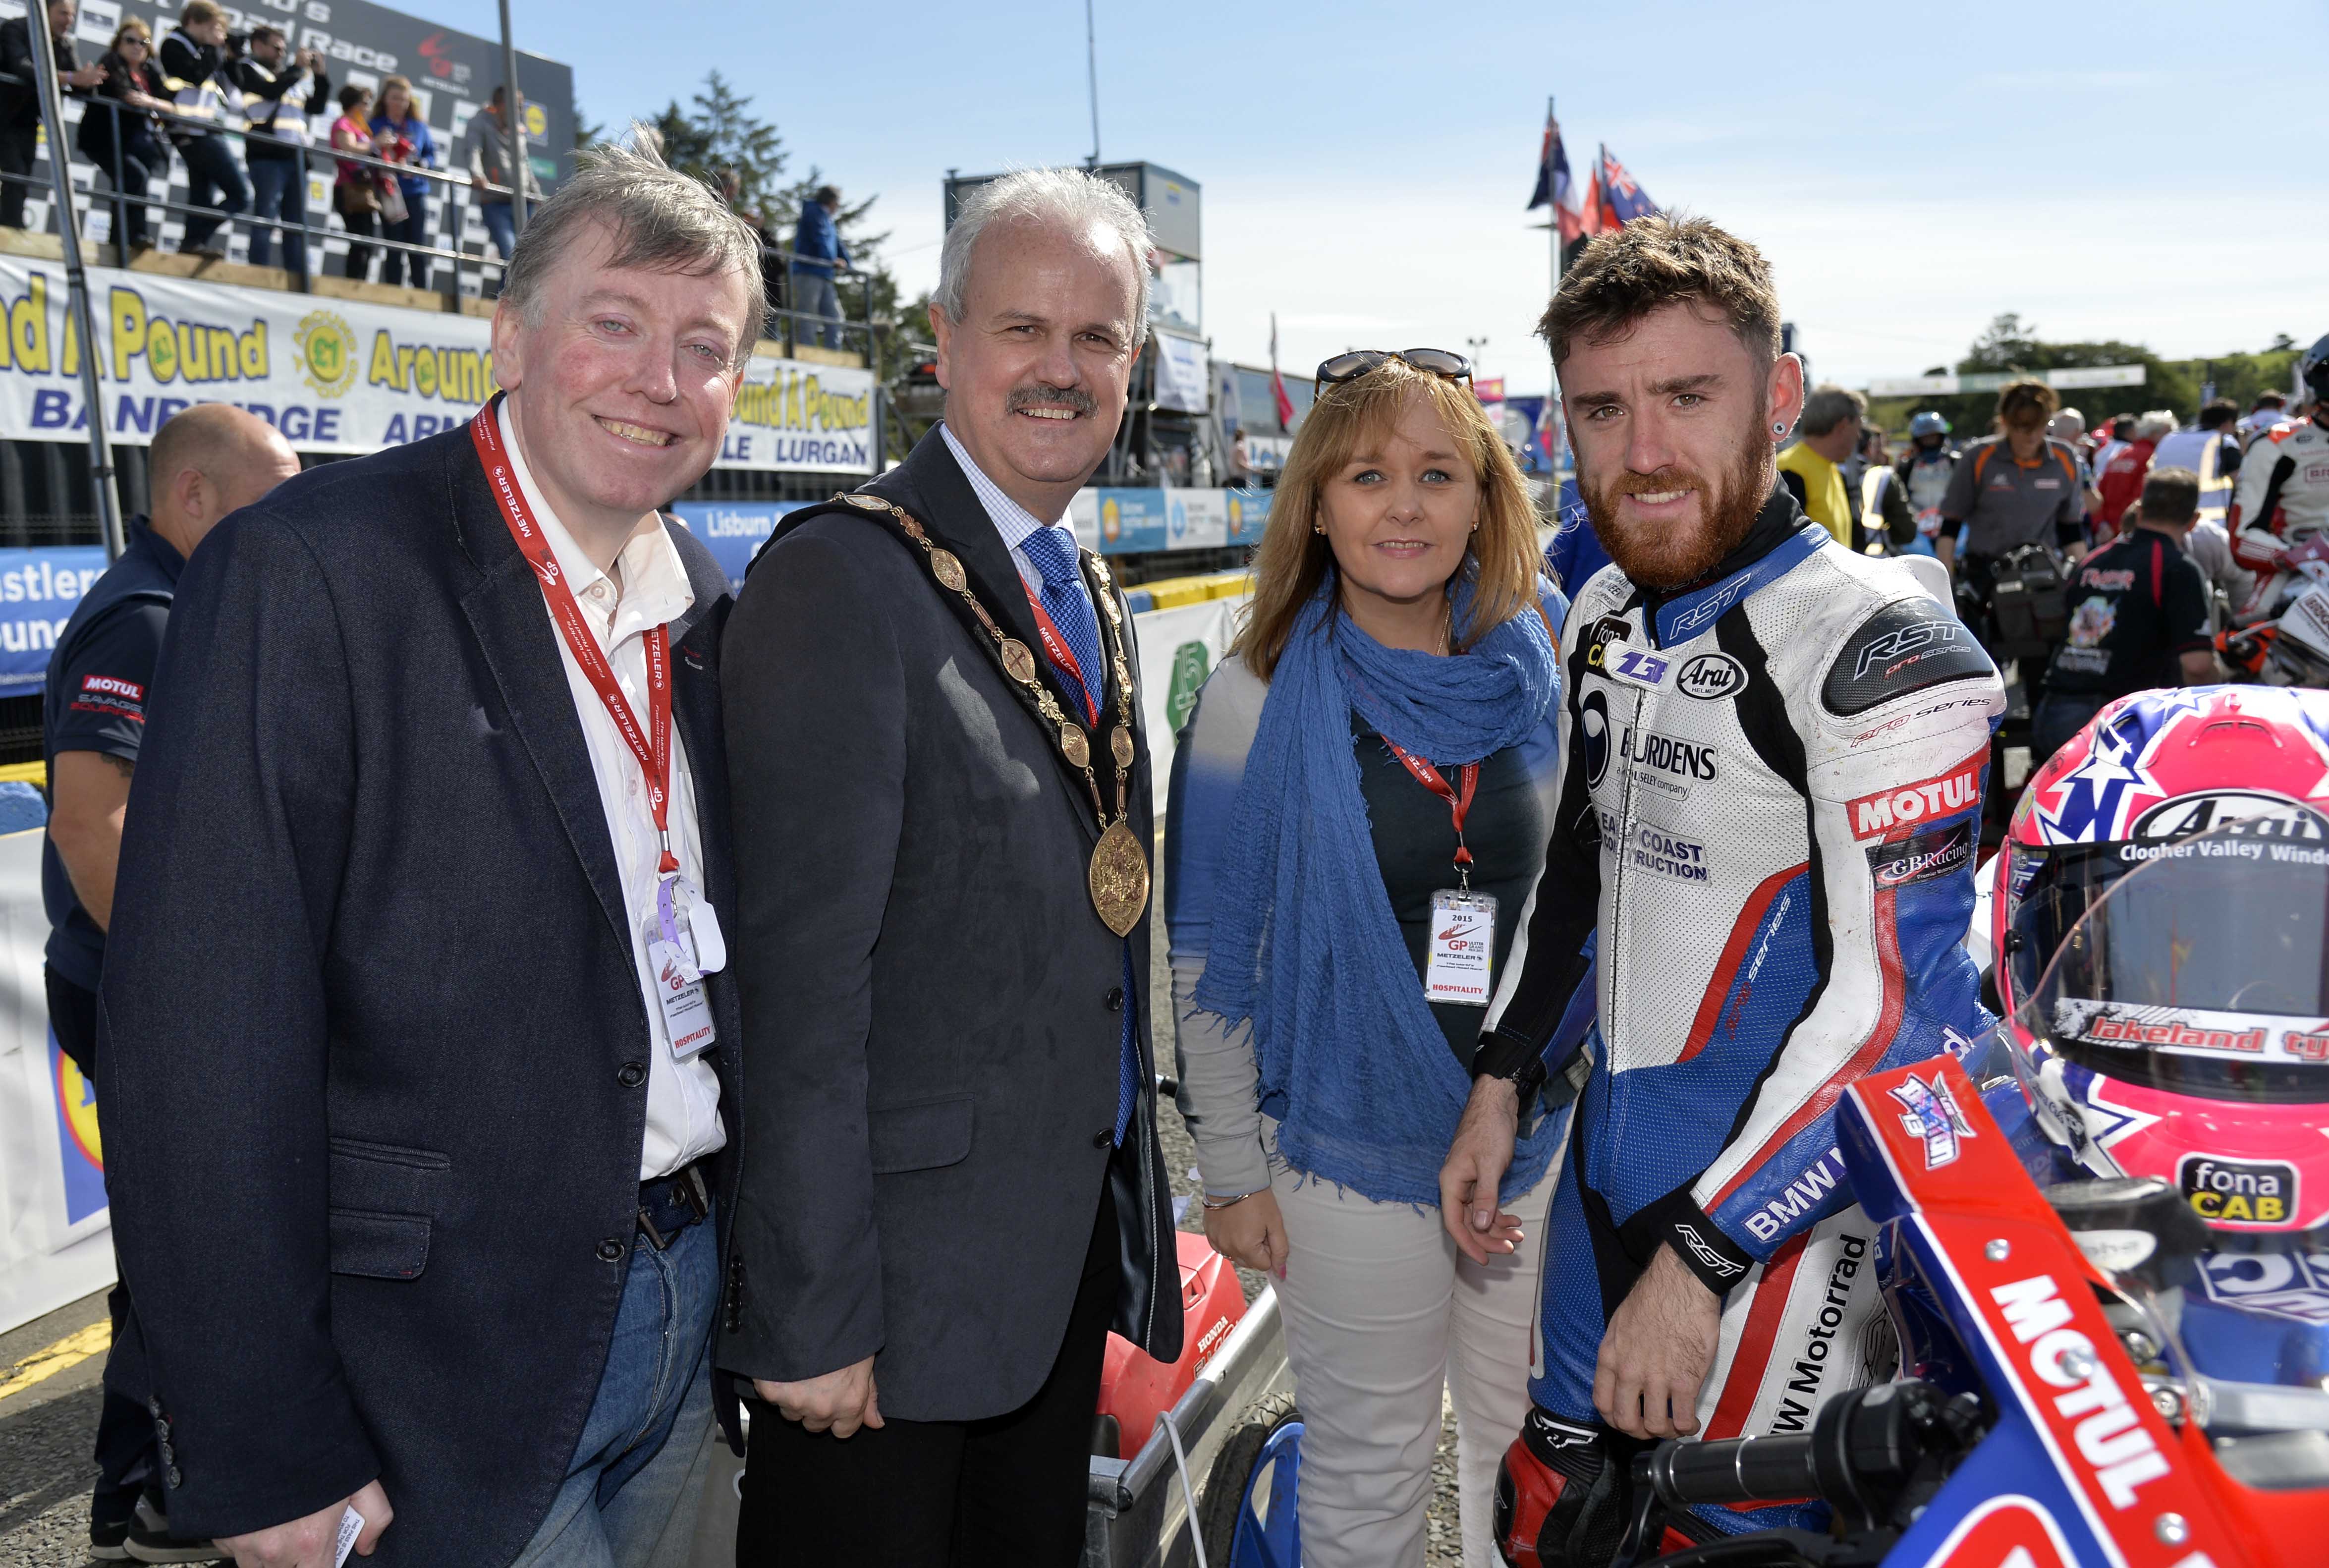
(94, 32)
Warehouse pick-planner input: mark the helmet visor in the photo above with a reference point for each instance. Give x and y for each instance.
(2203, 969)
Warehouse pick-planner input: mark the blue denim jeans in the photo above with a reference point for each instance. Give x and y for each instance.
(501, 227)
(631, 1471)
(213, 181)
(815, 296)
(279, 189)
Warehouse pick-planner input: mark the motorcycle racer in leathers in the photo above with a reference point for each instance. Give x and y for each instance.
(2282, 498)
(1762, 868)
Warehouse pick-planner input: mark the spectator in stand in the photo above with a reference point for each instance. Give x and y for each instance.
(2139, 615)
(2121, 482)
(1812, 469)
(486, 151)
(20, 103)
(120, 134)
(816, 245)
(193, 61)
(206, 462)
(400, 136)
(2209, 450)
(279, 167)
(355, 192)
(2269, 410)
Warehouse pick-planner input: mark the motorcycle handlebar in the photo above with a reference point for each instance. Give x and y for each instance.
(1764, 1470)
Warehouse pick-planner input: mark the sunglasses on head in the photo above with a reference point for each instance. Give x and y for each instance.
(1349, 367)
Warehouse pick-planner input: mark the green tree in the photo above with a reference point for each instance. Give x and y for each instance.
(719, 134)
(2010, 345)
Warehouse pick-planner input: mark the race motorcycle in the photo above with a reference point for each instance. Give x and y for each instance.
(2051, 1412)
(2249, 646)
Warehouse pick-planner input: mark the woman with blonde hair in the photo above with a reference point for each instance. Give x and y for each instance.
(1360, 807)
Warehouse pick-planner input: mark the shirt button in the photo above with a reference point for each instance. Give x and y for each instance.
(611, 1250)
(1115, 998)
(631, 1074)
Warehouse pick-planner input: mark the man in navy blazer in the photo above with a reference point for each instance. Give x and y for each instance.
(416, 1049)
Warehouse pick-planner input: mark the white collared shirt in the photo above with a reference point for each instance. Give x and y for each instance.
(1012, 520)
(648, 589)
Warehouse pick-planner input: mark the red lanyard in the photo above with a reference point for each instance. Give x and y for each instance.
(1459, 805)
(1062, 657)
(651, 748)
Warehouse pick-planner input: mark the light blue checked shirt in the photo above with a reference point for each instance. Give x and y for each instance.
(1011, 520)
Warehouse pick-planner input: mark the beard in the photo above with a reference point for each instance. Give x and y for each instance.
(1669, 556)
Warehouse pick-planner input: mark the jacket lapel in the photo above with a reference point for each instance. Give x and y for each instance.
(930, 486)
(695, 713)
(505, 609)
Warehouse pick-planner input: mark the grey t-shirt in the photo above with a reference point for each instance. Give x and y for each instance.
(2000, 503)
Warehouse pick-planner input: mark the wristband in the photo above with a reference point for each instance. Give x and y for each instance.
(1677, 1222)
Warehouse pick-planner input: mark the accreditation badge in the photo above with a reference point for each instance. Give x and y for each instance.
(683, 944)
(1463, 939)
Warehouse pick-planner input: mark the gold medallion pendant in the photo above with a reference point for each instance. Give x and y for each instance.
(1119, 879)
(1018, 661)
(1074, 746)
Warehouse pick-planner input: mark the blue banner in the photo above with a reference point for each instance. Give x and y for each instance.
(38, 592)
(735, 529)
(1131, 521)
(1248, 516)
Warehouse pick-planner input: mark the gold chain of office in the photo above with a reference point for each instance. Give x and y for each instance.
(1117, 876)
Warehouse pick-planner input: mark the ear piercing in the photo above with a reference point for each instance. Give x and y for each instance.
(1778, 428)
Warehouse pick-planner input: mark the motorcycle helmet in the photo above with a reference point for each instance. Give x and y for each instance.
(1930, 423)
(2170, 1039)
(2313, 368)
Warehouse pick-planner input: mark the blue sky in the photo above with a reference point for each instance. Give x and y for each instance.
(2132, 171)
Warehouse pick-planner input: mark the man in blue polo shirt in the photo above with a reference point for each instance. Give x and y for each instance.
(205, 462)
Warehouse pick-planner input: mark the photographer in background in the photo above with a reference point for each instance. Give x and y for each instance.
(193, 63)
(278, 168)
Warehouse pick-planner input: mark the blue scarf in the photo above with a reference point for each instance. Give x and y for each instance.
(1353, 1066)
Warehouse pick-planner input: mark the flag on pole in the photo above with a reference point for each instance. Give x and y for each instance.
(1622, 201)
(1552, 185)
(1277, 381)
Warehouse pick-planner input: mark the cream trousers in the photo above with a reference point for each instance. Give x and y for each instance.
(1381, 1312)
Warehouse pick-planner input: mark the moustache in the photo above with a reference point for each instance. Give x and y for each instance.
(1657, 483)
(1045, 395)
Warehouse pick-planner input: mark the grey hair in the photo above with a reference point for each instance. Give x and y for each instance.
(2158, 422)
(1072, 199)
(1829, 406)
(662, 221)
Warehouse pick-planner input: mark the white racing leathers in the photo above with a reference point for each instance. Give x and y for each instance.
(1768, 823)
(2281, 500)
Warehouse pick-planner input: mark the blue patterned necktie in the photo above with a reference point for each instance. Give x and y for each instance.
(1053, 555)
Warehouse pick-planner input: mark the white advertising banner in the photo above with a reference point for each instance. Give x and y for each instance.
(1182, 381)
(55, 1242)
(1197, 519)
(336, 375)
(1178, 649)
